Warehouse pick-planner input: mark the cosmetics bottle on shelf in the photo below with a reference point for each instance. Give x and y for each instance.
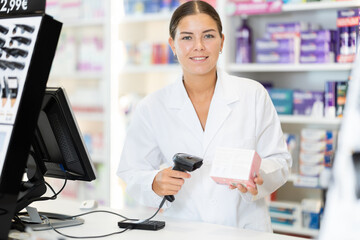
(243, 42)
(353, 39)
(344, 40)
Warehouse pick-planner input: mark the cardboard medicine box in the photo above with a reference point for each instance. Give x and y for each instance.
(235, 166)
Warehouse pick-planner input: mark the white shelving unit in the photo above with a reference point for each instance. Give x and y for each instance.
(164, 68)
(84, 22)
(127, 79)
(150, 17)
(296, 230)
(312, 6)
(295, 76)
(290, 119)
(253, 67)
(79, 76)
(90, 121)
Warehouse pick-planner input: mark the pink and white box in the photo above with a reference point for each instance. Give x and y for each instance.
(235, 166)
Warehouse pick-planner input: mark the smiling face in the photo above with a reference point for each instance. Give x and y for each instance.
(197, 44)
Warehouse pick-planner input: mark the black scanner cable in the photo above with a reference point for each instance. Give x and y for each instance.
(103, 211)
(91, 212)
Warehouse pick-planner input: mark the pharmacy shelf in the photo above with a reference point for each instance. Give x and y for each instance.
(163, 68)
(94, 22)
(95, 117)
(290, 119)
(295, 230)
(255, 67)
(98, 158)
(78, 75)
(150, 17)
(310, 6)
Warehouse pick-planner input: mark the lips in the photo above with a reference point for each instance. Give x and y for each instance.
(202, 58)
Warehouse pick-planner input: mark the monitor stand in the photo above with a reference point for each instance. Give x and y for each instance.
(36, 222)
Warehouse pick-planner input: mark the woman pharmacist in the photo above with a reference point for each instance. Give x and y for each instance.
(204, 109)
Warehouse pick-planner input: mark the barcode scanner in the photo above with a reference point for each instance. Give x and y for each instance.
(185, 163)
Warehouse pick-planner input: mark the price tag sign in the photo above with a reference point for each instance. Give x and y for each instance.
(21, 7)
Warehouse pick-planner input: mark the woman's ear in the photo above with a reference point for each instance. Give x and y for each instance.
(172, 45)
(222, 42)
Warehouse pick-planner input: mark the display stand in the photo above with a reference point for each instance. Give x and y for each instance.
(29, 40)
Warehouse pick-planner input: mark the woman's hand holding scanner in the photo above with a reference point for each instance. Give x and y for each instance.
(169, 182)
(172, 180)
(244, 189)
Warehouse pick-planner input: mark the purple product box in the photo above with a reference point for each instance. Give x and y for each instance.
(315, 46)
(348, 13)
(348, 24)
(275, 57)
(319, 35)
(279, 45)
(317, 57)
(308, 103)
(287, 27)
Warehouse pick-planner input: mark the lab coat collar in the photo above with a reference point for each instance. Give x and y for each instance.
(225, 89)
(224, 95)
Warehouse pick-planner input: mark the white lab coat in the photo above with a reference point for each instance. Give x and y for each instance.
(241, 115)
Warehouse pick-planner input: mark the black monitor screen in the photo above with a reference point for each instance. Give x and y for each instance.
(57, 150)
(58, 145)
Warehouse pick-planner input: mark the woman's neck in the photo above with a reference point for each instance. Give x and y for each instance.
(200, 85)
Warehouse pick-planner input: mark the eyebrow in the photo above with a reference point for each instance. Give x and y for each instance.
(206, 31)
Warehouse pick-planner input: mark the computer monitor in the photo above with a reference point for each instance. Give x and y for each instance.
(57, 149)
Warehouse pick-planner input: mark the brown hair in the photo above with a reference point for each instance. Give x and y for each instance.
(192, 8)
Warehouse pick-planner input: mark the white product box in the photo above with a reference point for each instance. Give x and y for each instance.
(234, 165)
(311, 158)
(313, 134)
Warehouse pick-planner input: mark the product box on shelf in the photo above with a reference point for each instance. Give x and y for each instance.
(148, 53)
(313, 134)
(149, 6)
(317, 46)
(288, 30)
(348, 24)
(309, 103)
(307, 46)
(316, 57)
(289, 27)
(285, 213)
(316, 153)
(317, 35)
(282, 100)
(240, 7)
(312, 210)
(335, 98)
(275, 57)
(278, 45)
(341, 89)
